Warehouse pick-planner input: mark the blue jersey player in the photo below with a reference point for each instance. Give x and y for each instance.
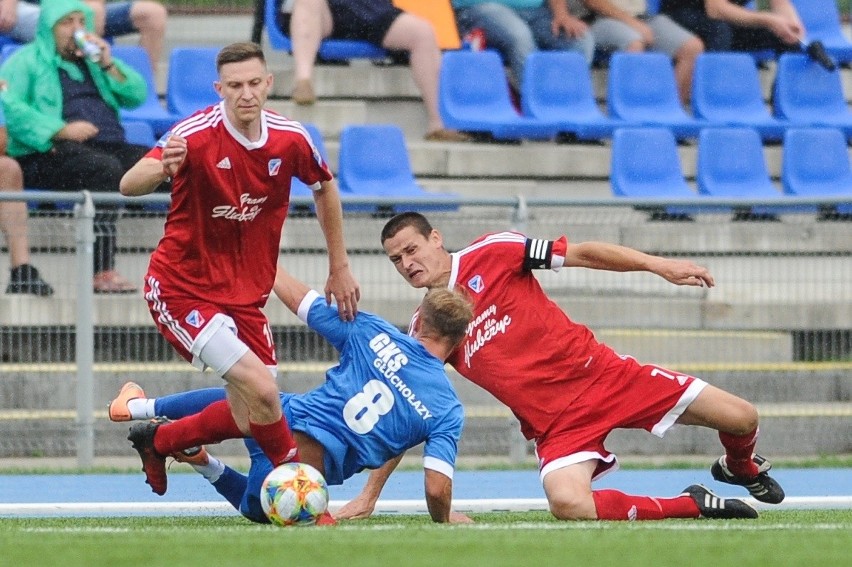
(388, 393)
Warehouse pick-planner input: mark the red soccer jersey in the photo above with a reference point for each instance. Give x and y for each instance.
(520, 345)
(229, 201)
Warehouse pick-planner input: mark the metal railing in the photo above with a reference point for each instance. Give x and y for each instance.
(626, 310)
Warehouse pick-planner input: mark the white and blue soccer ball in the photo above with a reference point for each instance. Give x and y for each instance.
(294, 494)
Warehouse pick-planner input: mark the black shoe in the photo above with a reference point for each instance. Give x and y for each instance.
(715, 507)
(26, 279)
(816, 51)
(153, 464)
(762, 487)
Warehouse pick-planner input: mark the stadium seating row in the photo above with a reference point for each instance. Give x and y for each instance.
(557, 96)
(731, 164)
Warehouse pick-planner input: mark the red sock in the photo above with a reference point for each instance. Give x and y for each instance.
(276, 441)
(213, 424)
(615, 505)
(738, 452)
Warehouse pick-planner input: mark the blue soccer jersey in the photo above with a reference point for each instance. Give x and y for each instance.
(386, 395)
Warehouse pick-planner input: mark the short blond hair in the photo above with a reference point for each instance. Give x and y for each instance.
(445, 313)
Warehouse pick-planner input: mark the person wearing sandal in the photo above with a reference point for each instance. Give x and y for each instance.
(61, 110)
(376, 21)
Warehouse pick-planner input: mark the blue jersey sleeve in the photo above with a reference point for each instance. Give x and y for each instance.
(324, 319)
(439, 452)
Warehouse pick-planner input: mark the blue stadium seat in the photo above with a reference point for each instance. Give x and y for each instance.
(374, 163)
(139, 132)
(8, 49)
(547, 94)
(726, 91)
(641, 91)
(731, 164)
(330, 49)
(646, 165)
(192, 72)
(151, 111)
(474, 96)
(816, 164)
(297, 188)
(652, 7)
(808, 95)
(822, 22)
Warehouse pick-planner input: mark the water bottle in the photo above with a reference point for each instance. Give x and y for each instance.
(90, 49)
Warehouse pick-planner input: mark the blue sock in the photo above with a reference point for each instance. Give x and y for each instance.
(232, 485)
(176, 406)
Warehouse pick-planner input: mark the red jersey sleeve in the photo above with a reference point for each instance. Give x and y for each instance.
(310, 167)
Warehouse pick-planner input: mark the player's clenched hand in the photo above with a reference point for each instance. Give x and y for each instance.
(684, 272)
(345, 291)
(174, 152)
(358, 508)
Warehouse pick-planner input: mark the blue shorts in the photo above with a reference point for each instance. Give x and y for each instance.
(117, 19)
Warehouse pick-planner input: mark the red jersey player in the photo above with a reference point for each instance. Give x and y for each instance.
(568, 390)
(214, 268)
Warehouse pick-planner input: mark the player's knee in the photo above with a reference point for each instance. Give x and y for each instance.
(570, 506)
(690, 50)
(748, 418)
(148, 16)
(267, 393)
(635, 46)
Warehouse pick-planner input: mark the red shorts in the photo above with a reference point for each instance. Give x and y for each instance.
(624, 395)
(188, 323)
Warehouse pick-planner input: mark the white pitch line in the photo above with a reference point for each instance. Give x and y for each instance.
(60, 509)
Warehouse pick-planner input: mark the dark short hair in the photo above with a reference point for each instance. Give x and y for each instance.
(238, 52)
(404, 220)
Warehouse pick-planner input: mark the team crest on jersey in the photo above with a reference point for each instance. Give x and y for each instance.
(225, 163)
(195, 319)
(274, 166)
(476, 284)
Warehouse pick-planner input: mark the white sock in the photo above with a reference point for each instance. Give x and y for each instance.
(141, 408)
(212, 470)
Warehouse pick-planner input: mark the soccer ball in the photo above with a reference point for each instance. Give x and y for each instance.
(294, 494)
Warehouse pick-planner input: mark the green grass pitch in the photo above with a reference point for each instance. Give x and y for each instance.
(779, 538)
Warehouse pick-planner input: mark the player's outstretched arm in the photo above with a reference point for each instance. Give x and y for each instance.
(341, 285)
(289, 290)
(362, 506)
(616, 258)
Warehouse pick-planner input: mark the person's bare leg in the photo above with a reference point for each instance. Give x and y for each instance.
(13, 214)
(684, 65)
(149, 19)
(417, 36)
(98, 13)
(310, 23)
(569, 491)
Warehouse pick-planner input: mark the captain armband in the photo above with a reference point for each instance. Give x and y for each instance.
(537, 254)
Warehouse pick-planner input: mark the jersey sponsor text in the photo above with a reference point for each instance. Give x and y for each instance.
(482, 329)
(389, 360)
